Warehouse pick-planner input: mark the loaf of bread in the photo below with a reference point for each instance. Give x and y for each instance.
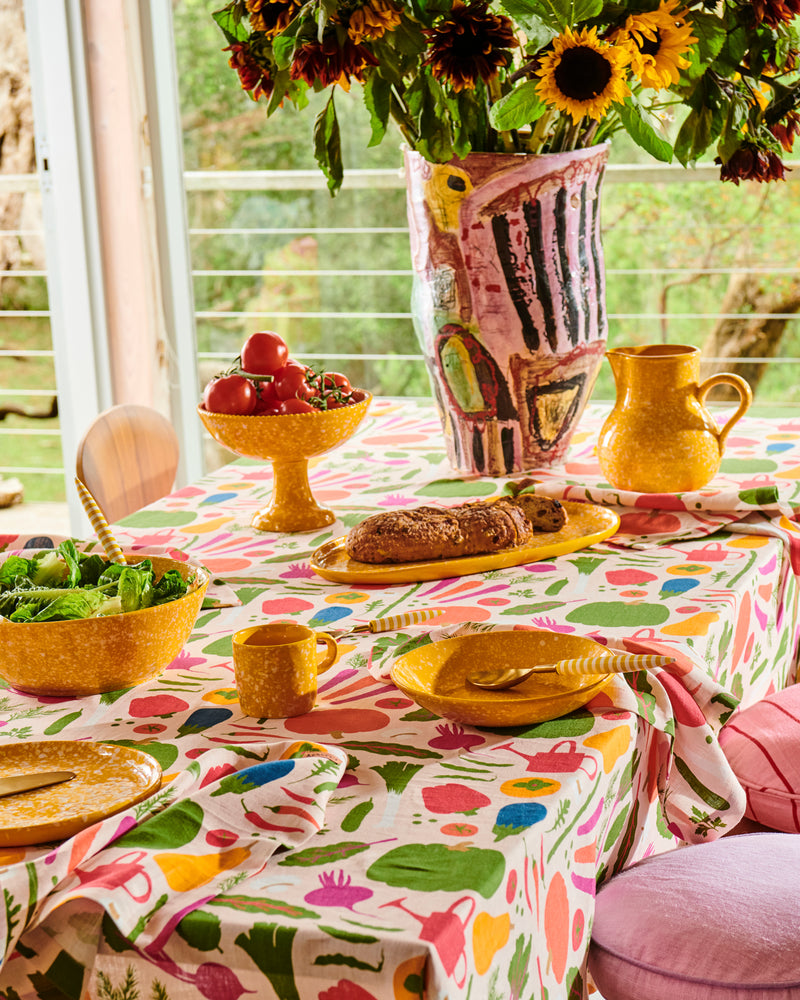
(424, 533)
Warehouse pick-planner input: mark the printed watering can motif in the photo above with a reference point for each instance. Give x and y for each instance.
(564, 758)
(660, 438)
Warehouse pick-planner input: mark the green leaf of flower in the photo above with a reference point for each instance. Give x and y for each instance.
(328, 145)
(377, 98)
(517, 108)
(230, 21)
(640, 129)
(282, 49)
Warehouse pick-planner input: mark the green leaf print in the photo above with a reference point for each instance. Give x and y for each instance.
(176, 826)
(201, 930)
(270, 947)
(324, 855)
(433, 867)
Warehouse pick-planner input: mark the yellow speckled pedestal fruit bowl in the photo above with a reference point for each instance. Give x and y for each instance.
(92, 655)
(288, 441)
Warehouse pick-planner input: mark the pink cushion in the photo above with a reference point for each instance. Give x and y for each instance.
(717, 921)
(762, 744)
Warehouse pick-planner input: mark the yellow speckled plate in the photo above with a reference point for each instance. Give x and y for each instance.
(587, 523)
(107, 779)
(435, 677)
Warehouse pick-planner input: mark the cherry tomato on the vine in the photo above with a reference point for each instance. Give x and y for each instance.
(230, 394)
(267, 398)
(295, 405)
(264, 353)
(290, 382)
(335, 380)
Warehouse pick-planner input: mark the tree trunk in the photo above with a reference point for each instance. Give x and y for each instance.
(17, 146)
(743, 336)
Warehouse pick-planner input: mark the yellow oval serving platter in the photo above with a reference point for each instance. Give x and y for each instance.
(435, 677)
(107, 779)
(587, 523)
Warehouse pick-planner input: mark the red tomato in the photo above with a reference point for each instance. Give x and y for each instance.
(264, 353)
(267, 398)
(230, 394)
(290, 382)
(335, 380)
(356, 396)
(294, 405)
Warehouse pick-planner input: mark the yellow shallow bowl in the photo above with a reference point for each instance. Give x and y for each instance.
(435, 677)
(285, 437)
(93, 655)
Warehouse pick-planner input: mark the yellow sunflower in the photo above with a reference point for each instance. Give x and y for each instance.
(659, 38)
(372, 20)
(583, 76)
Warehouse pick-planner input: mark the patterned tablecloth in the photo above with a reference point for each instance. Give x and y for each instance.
(372, 851)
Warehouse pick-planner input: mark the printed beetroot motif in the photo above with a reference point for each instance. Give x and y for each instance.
(337, 891)
(454, 798)
(455, 737)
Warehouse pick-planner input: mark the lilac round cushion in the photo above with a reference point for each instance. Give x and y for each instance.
(762, 744)
(715, 921)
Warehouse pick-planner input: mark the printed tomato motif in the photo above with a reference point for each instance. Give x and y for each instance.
(160, 705)
(578, 925)
(454, 798)
(459, 829)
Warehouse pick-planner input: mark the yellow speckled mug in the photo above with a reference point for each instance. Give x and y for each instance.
(276, 668)
(660, 438)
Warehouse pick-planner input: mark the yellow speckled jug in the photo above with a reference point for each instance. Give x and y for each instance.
(660, 438)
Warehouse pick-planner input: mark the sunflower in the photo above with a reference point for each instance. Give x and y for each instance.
(774, 13)
(751, 163)
(329, 63)
(786, 130)
(372, 20)
(271, 16)
(469, 44)
(582, 75)
(658, 40)
(253, 78)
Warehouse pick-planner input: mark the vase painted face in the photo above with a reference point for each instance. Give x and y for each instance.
(445, 190)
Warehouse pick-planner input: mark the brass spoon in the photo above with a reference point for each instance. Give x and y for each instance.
(614, 663)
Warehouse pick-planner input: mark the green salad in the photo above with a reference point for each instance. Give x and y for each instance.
(62, 584)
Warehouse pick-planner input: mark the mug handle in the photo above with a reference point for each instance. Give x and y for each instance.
(745, 394)
(329, 657)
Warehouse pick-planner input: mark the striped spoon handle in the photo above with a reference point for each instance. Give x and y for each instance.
(617, 663)
(99, 523)
(392, 622)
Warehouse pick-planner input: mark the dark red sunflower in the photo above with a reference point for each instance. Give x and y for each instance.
(775, 12)
(271, 16)
(469, 44)
(750, 163)
(785, 131)
(331, 61)
(253, 77)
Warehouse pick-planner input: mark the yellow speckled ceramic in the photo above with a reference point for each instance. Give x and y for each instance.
(435, 677)
(276, 668)
(288, 441)
(660, 438)
(107, 779)
(93, 655)
(587, 523)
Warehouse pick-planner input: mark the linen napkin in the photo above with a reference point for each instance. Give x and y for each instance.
(700, 795)
(215, 825)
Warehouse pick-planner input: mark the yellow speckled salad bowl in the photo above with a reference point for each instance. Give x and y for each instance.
(288, 441)
(92, 655)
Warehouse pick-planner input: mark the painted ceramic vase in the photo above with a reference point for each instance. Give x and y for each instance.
(509, 300)
(660, 438)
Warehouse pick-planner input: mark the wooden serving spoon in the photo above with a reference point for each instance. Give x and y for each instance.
(614, 663)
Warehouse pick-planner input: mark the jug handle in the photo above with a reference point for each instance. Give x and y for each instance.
(745, 394)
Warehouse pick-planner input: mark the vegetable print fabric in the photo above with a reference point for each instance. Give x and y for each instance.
(369, 850)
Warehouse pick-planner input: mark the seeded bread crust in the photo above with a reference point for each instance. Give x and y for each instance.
(426, 533)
